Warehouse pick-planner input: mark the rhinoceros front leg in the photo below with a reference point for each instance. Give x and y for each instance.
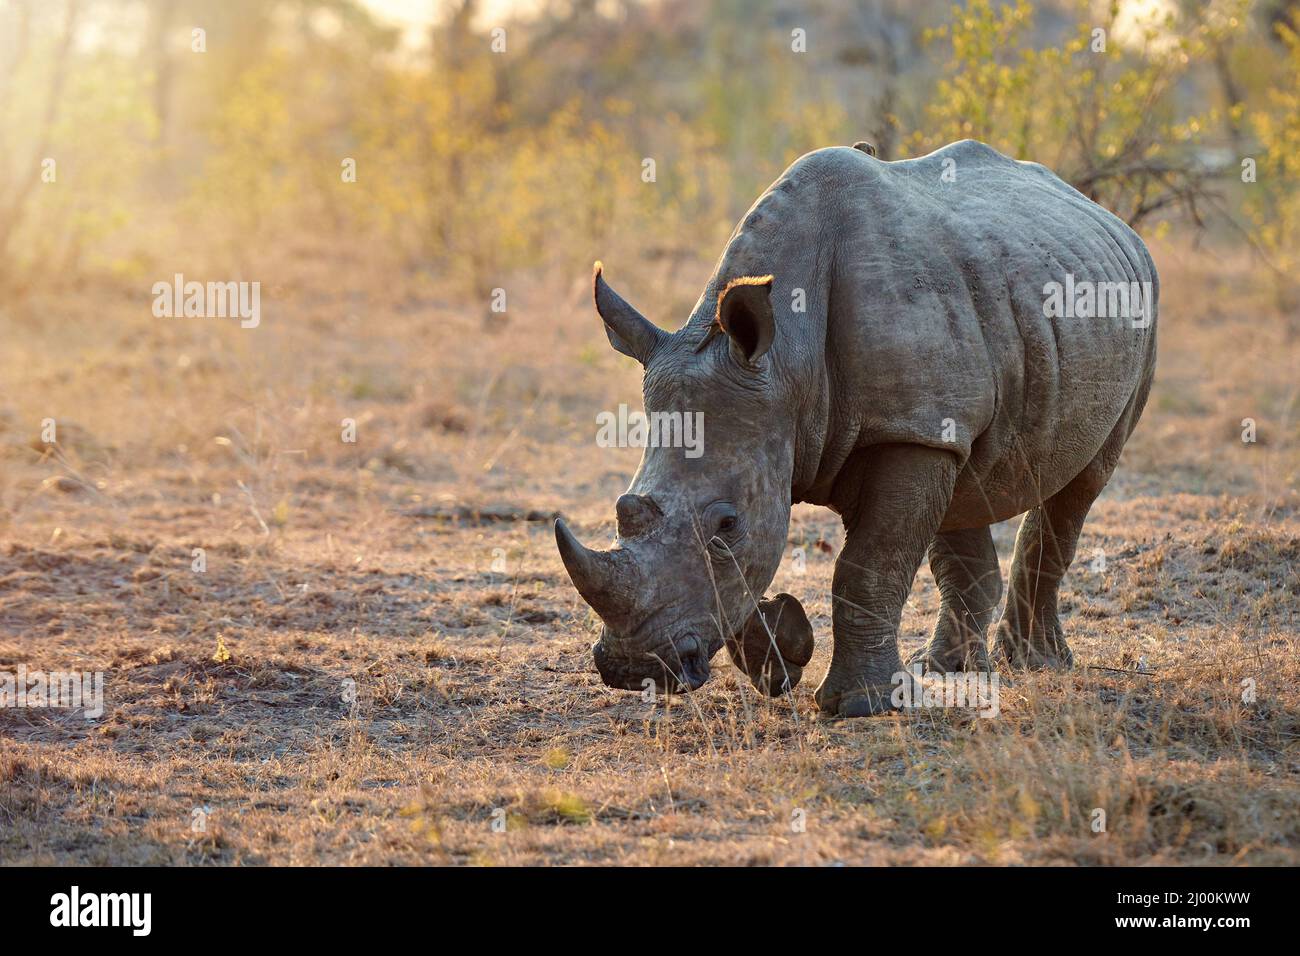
(966, 571)
(892, 498)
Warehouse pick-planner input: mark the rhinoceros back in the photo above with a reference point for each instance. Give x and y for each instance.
(983, 305)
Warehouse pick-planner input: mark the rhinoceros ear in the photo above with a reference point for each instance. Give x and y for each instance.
(774, 645)
(745, 314)
(628, 330)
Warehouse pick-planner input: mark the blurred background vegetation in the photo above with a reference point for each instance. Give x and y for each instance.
(476, 164)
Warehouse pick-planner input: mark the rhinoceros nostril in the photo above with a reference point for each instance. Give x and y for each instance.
(690, 666)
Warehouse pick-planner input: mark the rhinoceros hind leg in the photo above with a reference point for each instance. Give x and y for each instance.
(965, 567)
(1029, 634)
(892, 498)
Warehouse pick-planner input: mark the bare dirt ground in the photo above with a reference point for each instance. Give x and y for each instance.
(419, 563)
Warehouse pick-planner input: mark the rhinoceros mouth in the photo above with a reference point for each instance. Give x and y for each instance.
(676, 666)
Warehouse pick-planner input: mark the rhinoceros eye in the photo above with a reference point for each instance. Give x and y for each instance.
(721, 521)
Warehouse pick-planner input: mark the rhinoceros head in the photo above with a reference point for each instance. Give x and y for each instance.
(702, 528)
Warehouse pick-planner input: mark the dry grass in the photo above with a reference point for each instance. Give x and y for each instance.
(380, 562)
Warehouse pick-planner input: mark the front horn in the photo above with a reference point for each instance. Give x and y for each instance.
(605, 579)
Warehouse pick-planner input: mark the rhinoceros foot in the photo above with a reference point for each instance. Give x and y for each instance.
(1040, 647)
(948, 660)
(859, 701)
(861, 691)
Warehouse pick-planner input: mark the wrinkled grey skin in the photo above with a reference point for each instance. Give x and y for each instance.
(923, 394)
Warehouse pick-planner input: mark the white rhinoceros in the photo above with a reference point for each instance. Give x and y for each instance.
(926, 347)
